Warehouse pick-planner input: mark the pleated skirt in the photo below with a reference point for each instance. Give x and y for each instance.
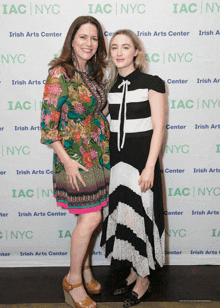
(133, 227)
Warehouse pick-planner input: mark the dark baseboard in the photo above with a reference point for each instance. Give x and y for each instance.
(170, 284)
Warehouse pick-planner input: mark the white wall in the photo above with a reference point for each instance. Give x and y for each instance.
(182, 46)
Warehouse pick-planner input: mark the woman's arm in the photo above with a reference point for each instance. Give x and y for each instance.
(55, 90)
(157, 105)
(105, 111)
(71, 166)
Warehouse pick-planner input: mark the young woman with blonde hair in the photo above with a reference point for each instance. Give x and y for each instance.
(133, 228)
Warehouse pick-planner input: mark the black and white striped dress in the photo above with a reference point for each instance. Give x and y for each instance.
(133, 227)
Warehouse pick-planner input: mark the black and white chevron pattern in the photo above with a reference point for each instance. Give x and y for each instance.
(131, 232)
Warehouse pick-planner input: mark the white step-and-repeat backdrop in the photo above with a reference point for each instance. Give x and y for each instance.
(182, 47)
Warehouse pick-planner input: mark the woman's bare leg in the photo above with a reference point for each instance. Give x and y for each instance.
(80, 240)
(87, 273)
(132, 276)
(141, 285)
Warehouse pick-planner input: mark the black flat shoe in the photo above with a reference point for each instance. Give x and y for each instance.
(133, 299)
(124, 288)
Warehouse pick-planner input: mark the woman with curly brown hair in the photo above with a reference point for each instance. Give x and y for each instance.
(73, 124)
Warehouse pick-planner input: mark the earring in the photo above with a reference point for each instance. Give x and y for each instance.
(95, 57)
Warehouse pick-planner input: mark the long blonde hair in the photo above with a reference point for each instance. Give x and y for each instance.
(139, 61)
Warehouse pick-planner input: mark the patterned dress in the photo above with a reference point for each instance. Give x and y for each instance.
(133, 227)
(71, 114)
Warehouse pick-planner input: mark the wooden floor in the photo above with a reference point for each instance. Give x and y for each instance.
(170, 284)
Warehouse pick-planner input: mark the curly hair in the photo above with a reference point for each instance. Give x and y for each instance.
(97, 62)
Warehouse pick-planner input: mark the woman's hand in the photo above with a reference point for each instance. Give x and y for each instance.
(72, 173)
(146, 179)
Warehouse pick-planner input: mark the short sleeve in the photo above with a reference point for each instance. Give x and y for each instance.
(157, 84)
(55, 91)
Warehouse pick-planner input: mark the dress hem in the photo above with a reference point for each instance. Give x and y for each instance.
(96, 208)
